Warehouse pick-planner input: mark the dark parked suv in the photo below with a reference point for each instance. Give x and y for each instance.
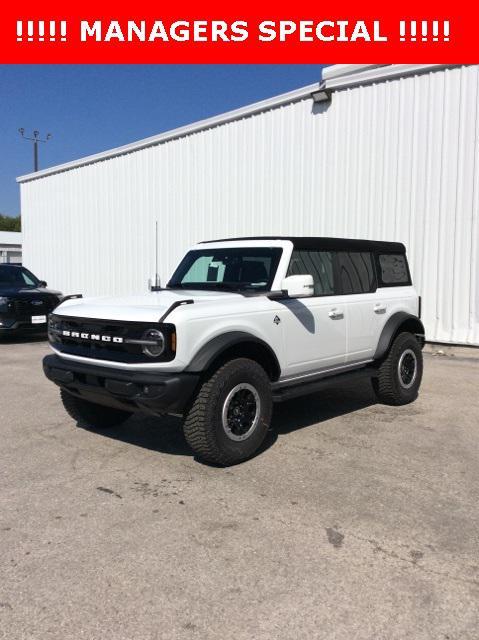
(25, 302)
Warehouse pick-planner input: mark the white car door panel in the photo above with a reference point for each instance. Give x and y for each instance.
(358, 281)
(315, 333)
(362, 326)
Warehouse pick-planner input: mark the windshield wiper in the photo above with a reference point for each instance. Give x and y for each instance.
(251, 287)
(224, 285)
(212, 286)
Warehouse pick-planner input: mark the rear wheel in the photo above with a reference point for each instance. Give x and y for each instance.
(400, 373)
(231, 413)
(89, 414)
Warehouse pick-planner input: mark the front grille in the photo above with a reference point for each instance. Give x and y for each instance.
(24, 308)
(111, 338)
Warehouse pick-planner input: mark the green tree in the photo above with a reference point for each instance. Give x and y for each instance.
(8, 223)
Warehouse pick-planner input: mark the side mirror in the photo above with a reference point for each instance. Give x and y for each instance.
(298, 286)
(42, 284)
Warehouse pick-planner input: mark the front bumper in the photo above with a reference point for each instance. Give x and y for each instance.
(9, 326)
(134, 391)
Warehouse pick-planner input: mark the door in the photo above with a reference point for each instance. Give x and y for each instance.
(314, 328)
(363, 308)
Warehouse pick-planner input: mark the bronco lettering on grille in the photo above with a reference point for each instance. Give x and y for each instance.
(91, 336)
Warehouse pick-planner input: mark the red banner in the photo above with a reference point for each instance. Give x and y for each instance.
(106, 32)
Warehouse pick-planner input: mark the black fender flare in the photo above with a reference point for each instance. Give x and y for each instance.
(212, 350)
(412, 323)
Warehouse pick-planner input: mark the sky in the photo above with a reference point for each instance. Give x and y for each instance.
(90, 108)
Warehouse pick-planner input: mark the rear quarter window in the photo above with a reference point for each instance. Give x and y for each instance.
(393, 269)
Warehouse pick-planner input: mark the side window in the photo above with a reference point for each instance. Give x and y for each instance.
(356, 272)
(27, 279)
(318, 264)
(393, 270)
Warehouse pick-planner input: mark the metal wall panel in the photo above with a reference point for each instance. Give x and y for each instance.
(393, 160)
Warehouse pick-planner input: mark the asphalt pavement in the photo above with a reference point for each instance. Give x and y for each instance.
(357, 521)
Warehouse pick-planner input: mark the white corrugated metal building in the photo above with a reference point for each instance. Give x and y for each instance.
(10, 247)
(393, 154)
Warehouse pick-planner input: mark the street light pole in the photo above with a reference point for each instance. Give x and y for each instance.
(36, 139)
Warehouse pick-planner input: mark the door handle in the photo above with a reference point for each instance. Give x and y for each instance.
(335, 314)
(380, 308)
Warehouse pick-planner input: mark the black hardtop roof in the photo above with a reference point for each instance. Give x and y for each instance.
(337, 244)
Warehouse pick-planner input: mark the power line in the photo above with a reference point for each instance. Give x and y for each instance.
(36, 139)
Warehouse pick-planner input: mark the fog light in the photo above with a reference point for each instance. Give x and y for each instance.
(153, 350)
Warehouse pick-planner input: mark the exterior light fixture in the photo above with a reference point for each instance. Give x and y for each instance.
(321, 95)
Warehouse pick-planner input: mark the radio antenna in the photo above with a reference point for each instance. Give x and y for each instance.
(157, 275)
(156, 285)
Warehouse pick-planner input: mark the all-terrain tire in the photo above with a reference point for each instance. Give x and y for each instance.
(396, 383)
(88, 414)
(238, 382)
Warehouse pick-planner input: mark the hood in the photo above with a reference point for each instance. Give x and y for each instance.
(25, 292)
(143, 308)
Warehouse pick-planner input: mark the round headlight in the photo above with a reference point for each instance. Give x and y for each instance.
(153, 350)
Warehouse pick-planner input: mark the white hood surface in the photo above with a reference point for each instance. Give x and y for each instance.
(142, 308)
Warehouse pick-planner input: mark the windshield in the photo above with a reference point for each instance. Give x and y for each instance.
(233, 268)
(11, 276)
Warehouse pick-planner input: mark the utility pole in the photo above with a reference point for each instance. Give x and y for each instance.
(36, 139)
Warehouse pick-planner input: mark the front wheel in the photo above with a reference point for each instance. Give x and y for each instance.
(231, 414)
(400, 373)
(89, 414)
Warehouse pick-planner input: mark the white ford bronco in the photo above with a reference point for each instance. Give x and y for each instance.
(241, 324)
